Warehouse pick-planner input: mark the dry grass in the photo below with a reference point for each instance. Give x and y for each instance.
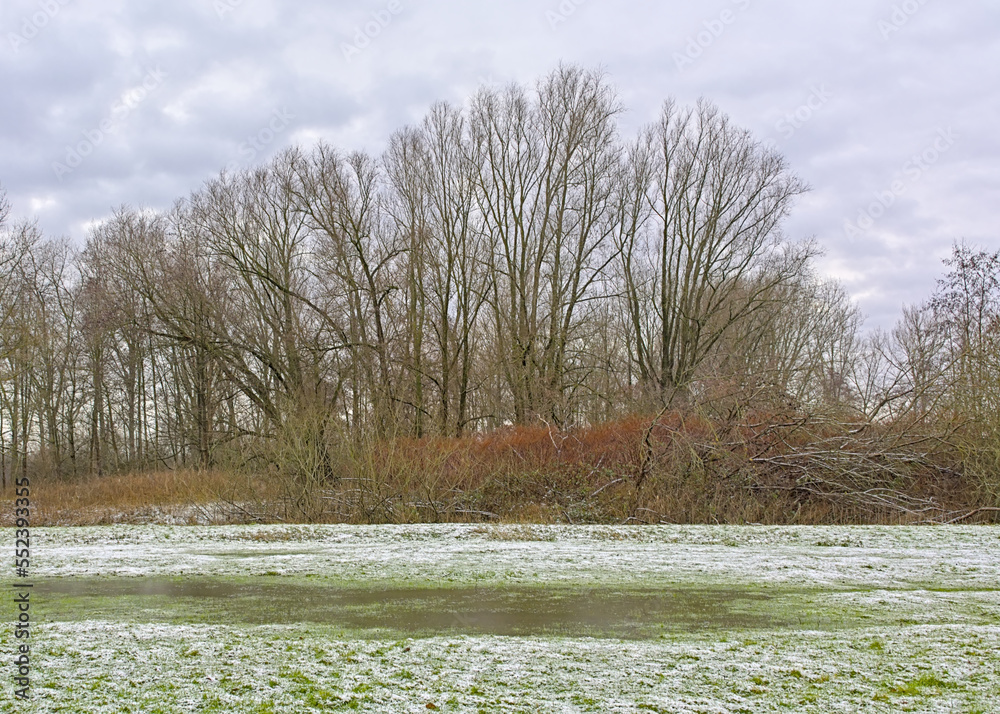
(182, 496)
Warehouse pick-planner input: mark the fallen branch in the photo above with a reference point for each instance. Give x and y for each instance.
(970, 514)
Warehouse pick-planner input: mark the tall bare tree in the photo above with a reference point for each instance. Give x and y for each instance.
(713, 254)
(431, 172)
(338, 200)
(545, 192)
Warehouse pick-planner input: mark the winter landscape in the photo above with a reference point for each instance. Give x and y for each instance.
(570, 356)
(518, 618)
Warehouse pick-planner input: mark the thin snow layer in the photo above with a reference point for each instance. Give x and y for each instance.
(910, 622)
(443, 555)
(109, 667)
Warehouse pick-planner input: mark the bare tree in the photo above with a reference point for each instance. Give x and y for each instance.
(339, 201)
(967, 306)
(50, 286)
(16, 343)
(249, 225)
(545, 193)
(714, 253)
(12, 251)
(431, 171)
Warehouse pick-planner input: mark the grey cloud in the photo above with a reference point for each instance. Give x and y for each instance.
(228, 72)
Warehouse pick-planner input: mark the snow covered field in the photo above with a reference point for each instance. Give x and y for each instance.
(148, 618)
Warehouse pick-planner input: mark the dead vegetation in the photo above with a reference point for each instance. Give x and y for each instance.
(678, 468)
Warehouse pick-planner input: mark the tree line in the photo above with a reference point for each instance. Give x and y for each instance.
(512, 261)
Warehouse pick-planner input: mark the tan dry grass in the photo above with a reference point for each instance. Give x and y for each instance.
(181, 496)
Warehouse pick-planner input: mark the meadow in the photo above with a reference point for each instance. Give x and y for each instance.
(507, 617)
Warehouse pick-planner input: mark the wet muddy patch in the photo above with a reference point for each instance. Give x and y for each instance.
(521, 611)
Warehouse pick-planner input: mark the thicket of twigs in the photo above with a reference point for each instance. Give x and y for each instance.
(766, 468)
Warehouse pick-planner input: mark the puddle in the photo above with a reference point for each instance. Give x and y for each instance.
(497, 611)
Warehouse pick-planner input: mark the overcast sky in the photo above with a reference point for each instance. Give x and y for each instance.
(889, 110)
